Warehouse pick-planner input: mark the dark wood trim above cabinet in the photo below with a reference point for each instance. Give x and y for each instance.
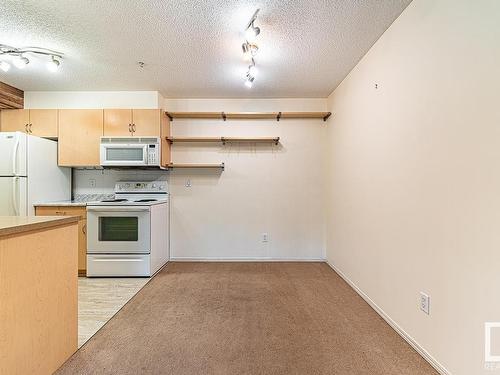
(10, 97)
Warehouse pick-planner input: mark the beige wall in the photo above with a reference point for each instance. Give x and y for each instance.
(414, 176)
(277, 190)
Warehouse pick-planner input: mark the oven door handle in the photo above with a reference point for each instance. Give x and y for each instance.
(117, 209)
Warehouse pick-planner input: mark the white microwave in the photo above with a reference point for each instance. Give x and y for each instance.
(130, 151)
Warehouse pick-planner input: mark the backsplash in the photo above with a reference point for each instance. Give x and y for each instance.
(102, 181)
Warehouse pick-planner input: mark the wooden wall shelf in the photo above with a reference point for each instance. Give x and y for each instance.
(224, 140)
(249, 115)
(195, 166)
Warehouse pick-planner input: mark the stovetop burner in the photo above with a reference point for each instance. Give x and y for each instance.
(115, 200)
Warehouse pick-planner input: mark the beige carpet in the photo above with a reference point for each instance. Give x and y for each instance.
(246, 318)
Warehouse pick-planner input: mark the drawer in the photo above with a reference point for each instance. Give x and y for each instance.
(61, 211)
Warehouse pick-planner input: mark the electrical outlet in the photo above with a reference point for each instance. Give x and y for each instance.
(92, 182)
(188, 183)
(265, 237)
(425, 302)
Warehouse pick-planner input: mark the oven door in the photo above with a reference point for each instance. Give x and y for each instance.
(118, 230)
(124, 154)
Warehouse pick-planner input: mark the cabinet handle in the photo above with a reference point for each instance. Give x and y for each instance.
(133, 128)
(84, 229)
(26, 128)
(30, 128)
(63, 213)
(130, 128)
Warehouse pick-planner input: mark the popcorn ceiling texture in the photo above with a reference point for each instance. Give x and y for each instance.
(193, 48)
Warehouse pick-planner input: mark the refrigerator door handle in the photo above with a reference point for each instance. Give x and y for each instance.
(14, 157)
(15, 189)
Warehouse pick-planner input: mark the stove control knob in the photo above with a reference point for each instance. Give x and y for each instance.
(154, 186)
(127, 185)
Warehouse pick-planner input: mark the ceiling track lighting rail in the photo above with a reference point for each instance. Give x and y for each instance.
(250, 49)
(18, 57)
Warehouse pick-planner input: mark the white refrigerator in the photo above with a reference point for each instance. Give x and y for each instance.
(29, 174)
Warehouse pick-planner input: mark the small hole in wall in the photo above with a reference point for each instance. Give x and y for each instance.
(376, 86)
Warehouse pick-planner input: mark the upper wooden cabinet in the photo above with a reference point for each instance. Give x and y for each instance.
(117, 122)
(40, 122)
(80, 132)
(132, 122)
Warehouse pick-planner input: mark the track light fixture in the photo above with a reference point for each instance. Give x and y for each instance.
(53, 64)
(5, 66)
(20, 61)
(252, 32)
(250, 49)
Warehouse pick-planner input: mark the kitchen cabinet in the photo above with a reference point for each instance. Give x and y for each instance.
(118, 122)
(80, 132)
(146, 122)
(81, 212)
(39, 122)
(38, 294)
(132, 122)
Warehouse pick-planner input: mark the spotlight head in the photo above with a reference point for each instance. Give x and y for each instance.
(249, 50)
(21, 62)
(252, 71)
(251, 32)
(249, 81)
(53, 64)
(5, 66)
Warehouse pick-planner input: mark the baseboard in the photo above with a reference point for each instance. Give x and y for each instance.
(247, 259)
(426, 355)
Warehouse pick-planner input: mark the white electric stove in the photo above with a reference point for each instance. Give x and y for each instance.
(129, 234)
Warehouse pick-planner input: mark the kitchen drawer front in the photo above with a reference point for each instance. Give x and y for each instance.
(61, 211)
(118, 265)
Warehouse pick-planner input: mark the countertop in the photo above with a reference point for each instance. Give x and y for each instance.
(61, 203)
(80, 200)
(19, 224)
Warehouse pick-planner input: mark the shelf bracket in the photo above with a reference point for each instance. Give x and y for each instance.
(169, 116)
(223, 116)
(277, 140)
(223, 166)
(327, 115)
(278, 117)
(223, 140)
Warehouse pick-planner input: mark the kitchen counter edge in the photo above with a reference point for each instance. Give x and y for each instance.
(19, 224)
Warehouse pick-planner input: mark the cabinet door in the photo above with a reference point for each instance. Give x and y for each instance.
(82, 248)
(43, 122)
(117, 122)
(146, 122)
(80, 132)
(14, 120)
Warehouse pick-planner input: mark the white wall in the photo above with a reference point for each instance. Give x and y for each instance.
(414, 176)
(277, 190)
(92, 99)
(271, 189)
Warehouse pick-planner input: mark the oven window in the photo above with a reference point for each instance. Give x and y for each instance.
(124, 154)
(114, 228)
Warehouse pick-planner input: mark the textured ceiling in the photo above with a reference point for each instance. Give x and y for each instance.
(193, 48)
